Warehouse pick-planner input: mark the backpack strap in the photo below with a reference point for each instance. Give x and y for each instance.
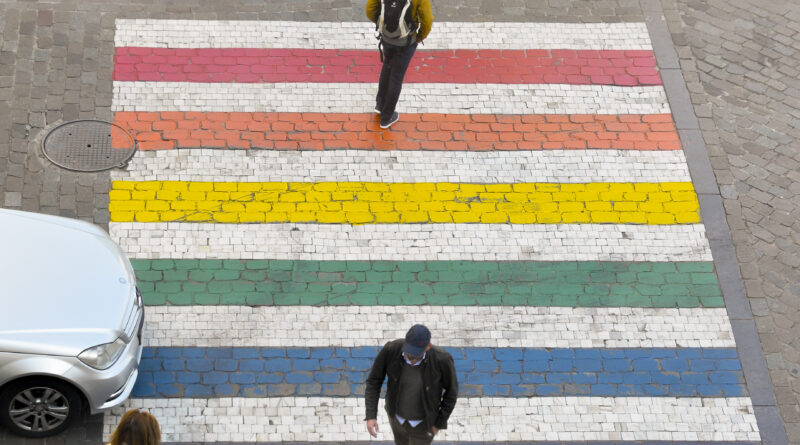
(379, 18)
(378, 26)
(402, 25)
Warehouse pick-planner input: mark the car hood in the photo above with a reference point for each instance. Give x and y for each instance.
(64, 285)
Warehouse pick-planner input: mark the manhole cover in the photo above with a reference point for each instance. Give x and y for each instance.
(89, 146)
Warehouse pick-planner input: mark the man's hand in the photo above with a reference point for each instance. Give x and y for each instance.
(435, 431)
(372, 427)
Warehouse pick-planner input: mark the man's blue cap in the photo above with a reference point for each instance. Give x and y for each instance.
(417, 339)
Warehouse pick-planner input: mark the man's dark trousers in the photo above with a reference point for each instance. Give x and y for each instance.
(405, 434)
(395, 63)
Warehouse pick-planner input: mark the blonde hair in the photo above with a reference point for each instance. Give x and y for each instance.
(137, 428)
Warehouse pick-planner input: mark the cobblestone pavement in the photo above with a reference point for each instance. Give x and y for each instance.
(57, 61)
(58, 64)
(741, 61)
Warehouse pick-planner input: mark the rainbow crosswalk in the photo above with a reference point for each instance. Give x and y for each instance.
(533, 207)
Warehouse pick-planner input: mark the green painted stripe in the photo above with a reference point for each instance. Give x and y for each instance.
(443, 283)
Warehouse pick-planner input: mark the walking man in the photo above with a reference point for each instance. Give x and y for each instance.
(421, 391)
(402, 25)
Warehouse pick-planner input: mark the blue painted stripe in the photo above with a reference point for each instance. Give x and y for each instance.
(495, 372)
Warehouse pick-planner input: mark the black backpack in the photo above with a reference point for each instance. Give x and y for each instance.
(395, 25)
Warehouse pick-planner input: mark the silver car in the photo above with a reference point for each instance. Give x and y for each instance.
(70, 322)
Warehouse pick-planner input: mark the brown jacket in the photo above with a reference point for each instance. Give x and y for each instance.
(421, 12)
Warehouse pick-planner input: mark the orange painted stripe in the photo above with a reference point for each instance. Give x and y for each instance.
(319, 131)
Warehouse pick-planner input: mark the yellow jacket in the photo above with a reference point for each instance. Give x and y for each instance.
(421, 12)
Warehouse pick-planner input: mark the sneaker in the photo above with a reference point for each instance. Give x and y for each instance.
(386, 124)
(377, 111)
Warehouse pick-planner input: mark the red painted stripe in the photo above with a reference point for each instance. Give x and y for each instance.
(245, 65)
(320, 131)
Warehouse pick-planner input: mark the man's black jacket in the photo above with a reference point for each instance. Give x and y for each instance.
(438, 377)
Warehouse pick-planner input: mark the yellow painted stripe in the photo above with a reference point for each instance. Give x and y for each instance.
(387, 203)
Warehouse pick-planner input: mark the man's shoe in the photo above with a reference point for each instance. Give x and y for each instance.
(388, 123)
(377, 111)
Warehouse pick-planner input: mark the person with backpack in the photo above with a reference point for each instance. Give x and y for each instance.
(401, 24)
(421, 388)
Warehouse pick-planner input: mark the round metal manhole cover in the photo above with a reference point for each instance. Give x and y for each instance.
(89, 146)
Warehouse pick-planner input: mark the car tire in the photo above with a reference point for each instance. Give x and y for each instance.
(39, 407)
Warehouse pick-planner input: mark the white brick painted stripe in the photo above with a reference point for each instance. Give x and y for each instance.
(361, 35)
(456, 326)
(316, 419)
(414, 242)
(491, 167)
(417, 98)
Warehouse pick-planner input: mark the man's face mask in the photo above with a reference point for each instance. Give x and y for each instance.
(412, 358)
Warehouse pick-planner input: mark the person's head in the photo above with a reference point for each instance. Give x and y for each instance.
(418, 340)
(137, 428)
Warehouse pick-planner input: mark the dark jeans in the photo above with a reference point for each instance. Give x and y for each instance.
(405, 434)
(395, 63)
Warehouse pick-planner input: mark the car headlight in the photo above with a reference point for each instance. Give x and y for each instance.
(103, 356)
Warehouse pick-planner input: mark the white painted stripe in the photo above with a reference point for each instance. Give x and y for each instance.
(492, 167)
(417, 98)
(361, 35)
(415, 242)
(482, 419)
(456, 326)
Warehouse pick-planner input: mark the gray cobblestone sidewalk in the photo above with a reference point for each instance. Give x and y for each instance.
(55, 67)
(741, 61)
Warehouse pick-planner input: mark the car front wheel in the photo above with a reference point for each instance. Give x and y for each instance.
(38, 408)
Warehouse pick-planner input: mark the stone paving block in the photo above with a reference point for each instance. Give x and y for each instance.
(682, 284)
(728, 54)
(463, 66)
(81, 49)
(486, 371)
